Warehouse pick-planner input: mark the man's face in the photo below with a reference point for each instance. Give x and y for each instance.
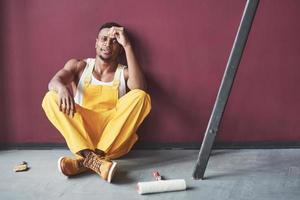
(107, 47)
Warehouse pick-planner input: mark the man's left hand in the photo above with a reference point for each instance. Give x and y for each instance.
(120, 35)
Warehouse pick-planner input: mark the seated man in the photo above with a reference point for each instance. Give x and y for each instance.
(100, 121)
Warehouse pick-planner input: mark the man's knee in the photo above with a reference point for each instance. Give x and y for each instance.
(49, 98)
(141, 95)
(138, 93)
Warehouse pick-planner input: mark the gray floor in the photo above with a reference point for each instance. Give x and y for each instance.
(231, 174)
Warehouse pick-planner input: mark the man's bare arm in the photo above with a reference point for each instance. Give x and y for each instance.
(60, 83)
(64, 76)
(134, 75)
(136, 78)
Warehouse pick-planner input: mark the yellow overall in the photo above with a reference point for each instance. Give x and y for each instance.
(103, 121)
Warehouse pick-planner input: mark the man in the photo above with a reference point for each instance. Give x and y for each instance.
(87, 102)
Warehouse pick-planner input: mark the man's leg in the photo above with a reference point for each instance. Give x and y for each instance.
(80, 133)
(119, 135)
(72, 128)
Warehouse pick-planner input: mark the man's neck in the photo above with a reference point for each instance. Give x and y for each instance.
(102, 66)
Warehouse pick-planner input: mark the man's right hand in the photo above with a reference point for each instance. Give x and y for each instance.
(66, 101)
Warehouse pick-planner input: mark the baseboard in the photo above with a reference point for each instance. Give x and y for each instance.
(221, 145)
(155, 145)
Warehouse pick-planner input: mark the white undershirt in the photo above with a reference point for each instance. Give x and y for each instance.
(79, 95)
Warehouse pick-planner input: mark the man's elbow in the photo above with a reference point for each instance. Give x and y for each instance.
(51, 86)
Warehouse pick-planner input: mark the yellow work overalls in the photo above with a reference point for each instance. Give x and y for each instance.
(103, 121)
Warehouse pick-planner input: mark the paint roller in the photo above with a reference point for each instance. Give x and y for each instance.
(160, 185)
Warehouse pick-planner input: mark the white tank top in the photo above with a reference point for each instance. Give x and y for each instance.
(91, 61)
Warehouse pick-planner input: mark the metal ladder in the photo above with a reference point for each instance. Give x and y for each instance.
(225, 87)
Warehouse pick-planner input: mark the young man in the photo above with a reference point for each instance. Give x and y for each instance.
(99, 122)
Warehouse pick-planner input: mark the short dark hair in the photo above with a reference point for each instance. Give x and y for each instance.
(109, 25)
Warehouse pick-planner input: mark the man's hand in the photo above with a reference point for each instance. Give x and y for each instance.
(134, 75)
(61, 84)
(120, 35)
(66, 101)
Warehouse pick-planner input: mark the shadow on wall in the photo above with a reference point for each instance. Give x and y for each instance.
(167, 105)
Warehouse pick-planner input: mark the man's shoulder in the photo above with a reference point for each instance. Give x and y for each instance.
(76, 64)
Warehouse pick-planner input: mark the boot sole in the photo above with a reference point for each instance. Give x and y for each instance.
(111, 171)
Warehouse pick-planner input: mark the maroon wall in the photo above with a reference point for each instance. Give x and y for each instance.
(183, 46)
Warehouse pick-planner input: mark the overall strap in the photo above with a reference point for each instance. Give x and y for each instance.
(82, 81)
(87, 74)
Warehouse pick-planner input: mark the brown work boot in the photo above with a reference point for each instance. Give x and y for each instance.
(71, 166)
(101, 166)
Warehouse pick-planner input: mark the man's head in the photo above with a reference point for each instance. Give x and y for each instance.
(107, 47)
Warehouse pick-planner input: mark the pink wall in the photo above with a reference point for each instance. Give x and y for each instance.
(183, 46)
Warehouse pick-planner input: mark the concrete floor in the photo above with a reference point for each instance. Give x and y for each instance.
(231, 174)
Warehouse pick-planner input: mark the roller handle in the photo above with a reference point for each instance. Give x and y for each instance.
(157, 176)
